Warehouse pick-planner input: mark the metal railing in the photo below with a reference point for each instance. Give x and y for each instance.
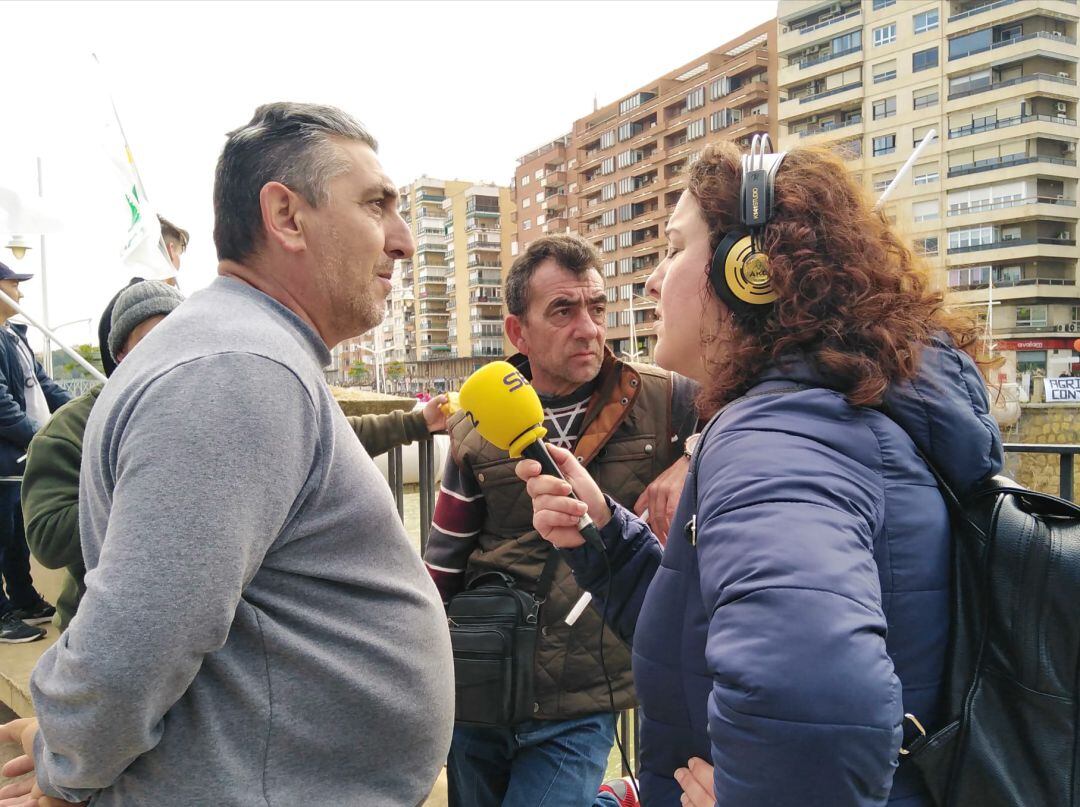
(630, 720)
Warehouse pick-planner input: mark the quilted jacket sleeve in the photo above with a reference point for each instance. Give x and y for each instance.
(805, 708)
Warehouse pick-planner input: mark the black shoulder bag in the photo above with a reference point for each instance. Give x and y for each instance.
(493, 627)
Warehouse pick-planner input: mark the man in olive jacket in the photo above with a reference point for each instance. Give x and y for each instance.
(627, 423)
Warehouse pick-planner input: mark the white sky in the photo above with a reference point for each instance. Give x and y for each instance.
(436, 83)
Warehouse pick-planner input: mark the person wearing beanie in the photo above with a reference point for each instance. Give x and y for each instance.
(27, 398)
(50, 490)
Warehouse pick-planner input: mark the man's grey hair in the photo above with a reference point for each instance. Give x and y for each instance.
(284, 142)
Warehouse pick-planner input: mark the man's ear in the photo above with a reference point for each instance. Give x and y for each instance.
(281, 216)
(516, 333)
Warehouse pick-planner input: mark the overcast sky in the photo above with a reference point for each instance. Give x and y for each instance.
(438, 84)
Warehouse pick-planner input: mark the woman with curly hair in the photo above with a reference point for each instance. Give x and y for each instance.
(779, 639)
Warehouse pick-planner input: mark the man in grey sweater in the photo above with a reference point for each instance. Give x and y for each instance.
(257, 628)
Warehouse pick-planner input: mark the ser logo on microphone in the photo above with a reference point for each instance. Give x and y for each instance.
(514, 381)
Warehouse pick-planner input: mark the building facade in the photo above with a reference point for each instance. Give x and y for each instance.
(616, 176)
(991, 203)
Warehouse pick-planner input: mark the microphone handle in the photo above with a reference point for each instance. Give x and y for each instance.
(538, 451)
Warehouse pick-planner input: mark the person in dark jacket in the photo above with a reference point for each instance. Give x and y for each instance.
(27, 399)
(800, 607)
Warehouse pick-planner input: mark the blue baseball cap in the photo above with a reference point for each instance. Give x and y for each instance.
(7, 274)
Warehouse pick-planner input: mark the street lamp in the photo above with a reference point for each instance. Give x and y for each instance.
(377, 353)
(18, 246)
(633, 354)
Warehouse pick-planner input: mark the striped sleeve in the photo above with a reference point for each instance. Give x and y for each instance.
(455, 528)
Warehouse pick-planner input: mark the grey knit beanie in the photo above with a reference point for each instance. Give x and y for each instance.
(136, 304)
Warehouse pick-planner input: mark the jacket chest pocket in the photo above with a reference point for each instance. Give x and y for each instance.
(624, 467)
(509, 510)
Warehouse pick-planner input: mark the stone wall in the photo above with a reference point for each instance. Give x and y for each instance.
(1044, 423)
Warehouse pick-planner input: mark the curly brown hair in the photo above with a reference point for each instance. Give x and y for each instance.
(853, 299)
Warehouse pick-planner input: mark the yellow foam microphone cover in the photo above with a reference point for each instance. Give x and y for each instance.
(503, 407)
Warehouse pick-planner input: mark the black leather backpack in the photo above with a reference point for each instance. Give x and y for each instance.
(1013, 693)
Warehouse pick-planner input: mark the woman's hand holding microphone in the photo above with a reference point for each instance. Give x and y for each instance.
(555, 512)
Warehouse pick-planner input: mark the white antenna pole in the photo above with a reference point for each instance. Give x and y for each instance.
(919, 149)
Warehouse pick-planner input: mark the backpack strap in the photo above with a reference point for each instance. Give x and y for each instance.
(690, 528)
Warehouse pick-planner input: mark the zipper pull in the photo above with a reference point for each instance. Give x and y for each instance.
(691, 530)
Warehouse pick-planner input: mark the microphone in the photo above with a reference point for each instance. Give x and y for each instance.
(507, 412)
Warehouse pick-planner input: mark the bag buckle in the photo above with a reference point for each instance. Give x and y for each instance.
(918, 726)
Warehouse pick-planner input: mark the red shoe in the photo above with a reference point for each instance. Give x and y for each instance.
(622, 790)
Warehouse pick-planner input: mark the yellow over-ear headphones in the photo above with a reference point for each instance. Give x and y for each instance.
(739, 271)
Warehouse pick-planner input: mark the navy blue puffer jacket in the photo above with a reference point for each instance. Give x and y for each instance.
(786, 645)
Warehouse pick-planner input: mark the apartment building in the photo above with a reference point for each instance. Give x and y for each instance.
(992, 202)
(616, 176)
(444, 313)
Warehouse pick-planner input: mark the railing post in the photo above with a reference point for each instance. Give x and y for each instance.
(1065, 479)
(396, 480)
(426, 461)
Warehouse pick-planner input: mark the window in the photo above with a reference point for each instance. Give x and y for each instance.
(882, 180)
(612, 318)
(880, 4)
(607, 193)
(927, 21)
(971, 43)
(539, 196)
(719, 88)
(696, 99)
(607, 166)
(628, 158)
(526, 202)
(969, 277)
(885, 108)
(628, 130)
(524, 180)
(608, 244)
(885, 144)
(626, 185)
(1076, 315)
(1031, 316)
(1028, 361)
(920, 132)
(607, 139)
(926, 97)
(695, 129)
(608, 218)
(626, 266)
(609, 271)
(925, 174)
(924, 59)
(926, 246)
(927, 210)
(971, 237)
(970, 82)
(527, 224)
(885, 35)
(846, 43)
(884, 71)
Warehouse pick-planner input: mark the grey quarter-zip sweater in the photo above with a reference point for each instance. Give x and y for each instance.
(257, 628)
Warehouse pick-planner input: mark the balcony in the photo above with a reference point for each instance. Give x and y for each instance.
(809, 66)
(1050, 36)
(997, 85)
(836, 98)
(1013, 242)
(753, 92)
(429, 196)
(473, 209)
(823, 23)
(1004, 162)
(1007, 203)
(555, 201)
(1004, 10)
(554, 179)
(483, 244)
(484, 278)
(1002, 123)
(748, 124)
(825, 128)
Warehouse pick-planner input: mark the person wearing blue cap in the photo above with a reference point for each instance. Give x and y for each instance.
(28, 397)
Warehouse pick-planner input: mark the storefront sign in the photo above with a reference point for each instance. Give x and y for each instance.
(1062, 390)
(1033, 344)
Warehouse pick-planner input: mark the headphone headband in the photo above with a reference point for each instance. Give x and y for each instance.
(739, 271)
